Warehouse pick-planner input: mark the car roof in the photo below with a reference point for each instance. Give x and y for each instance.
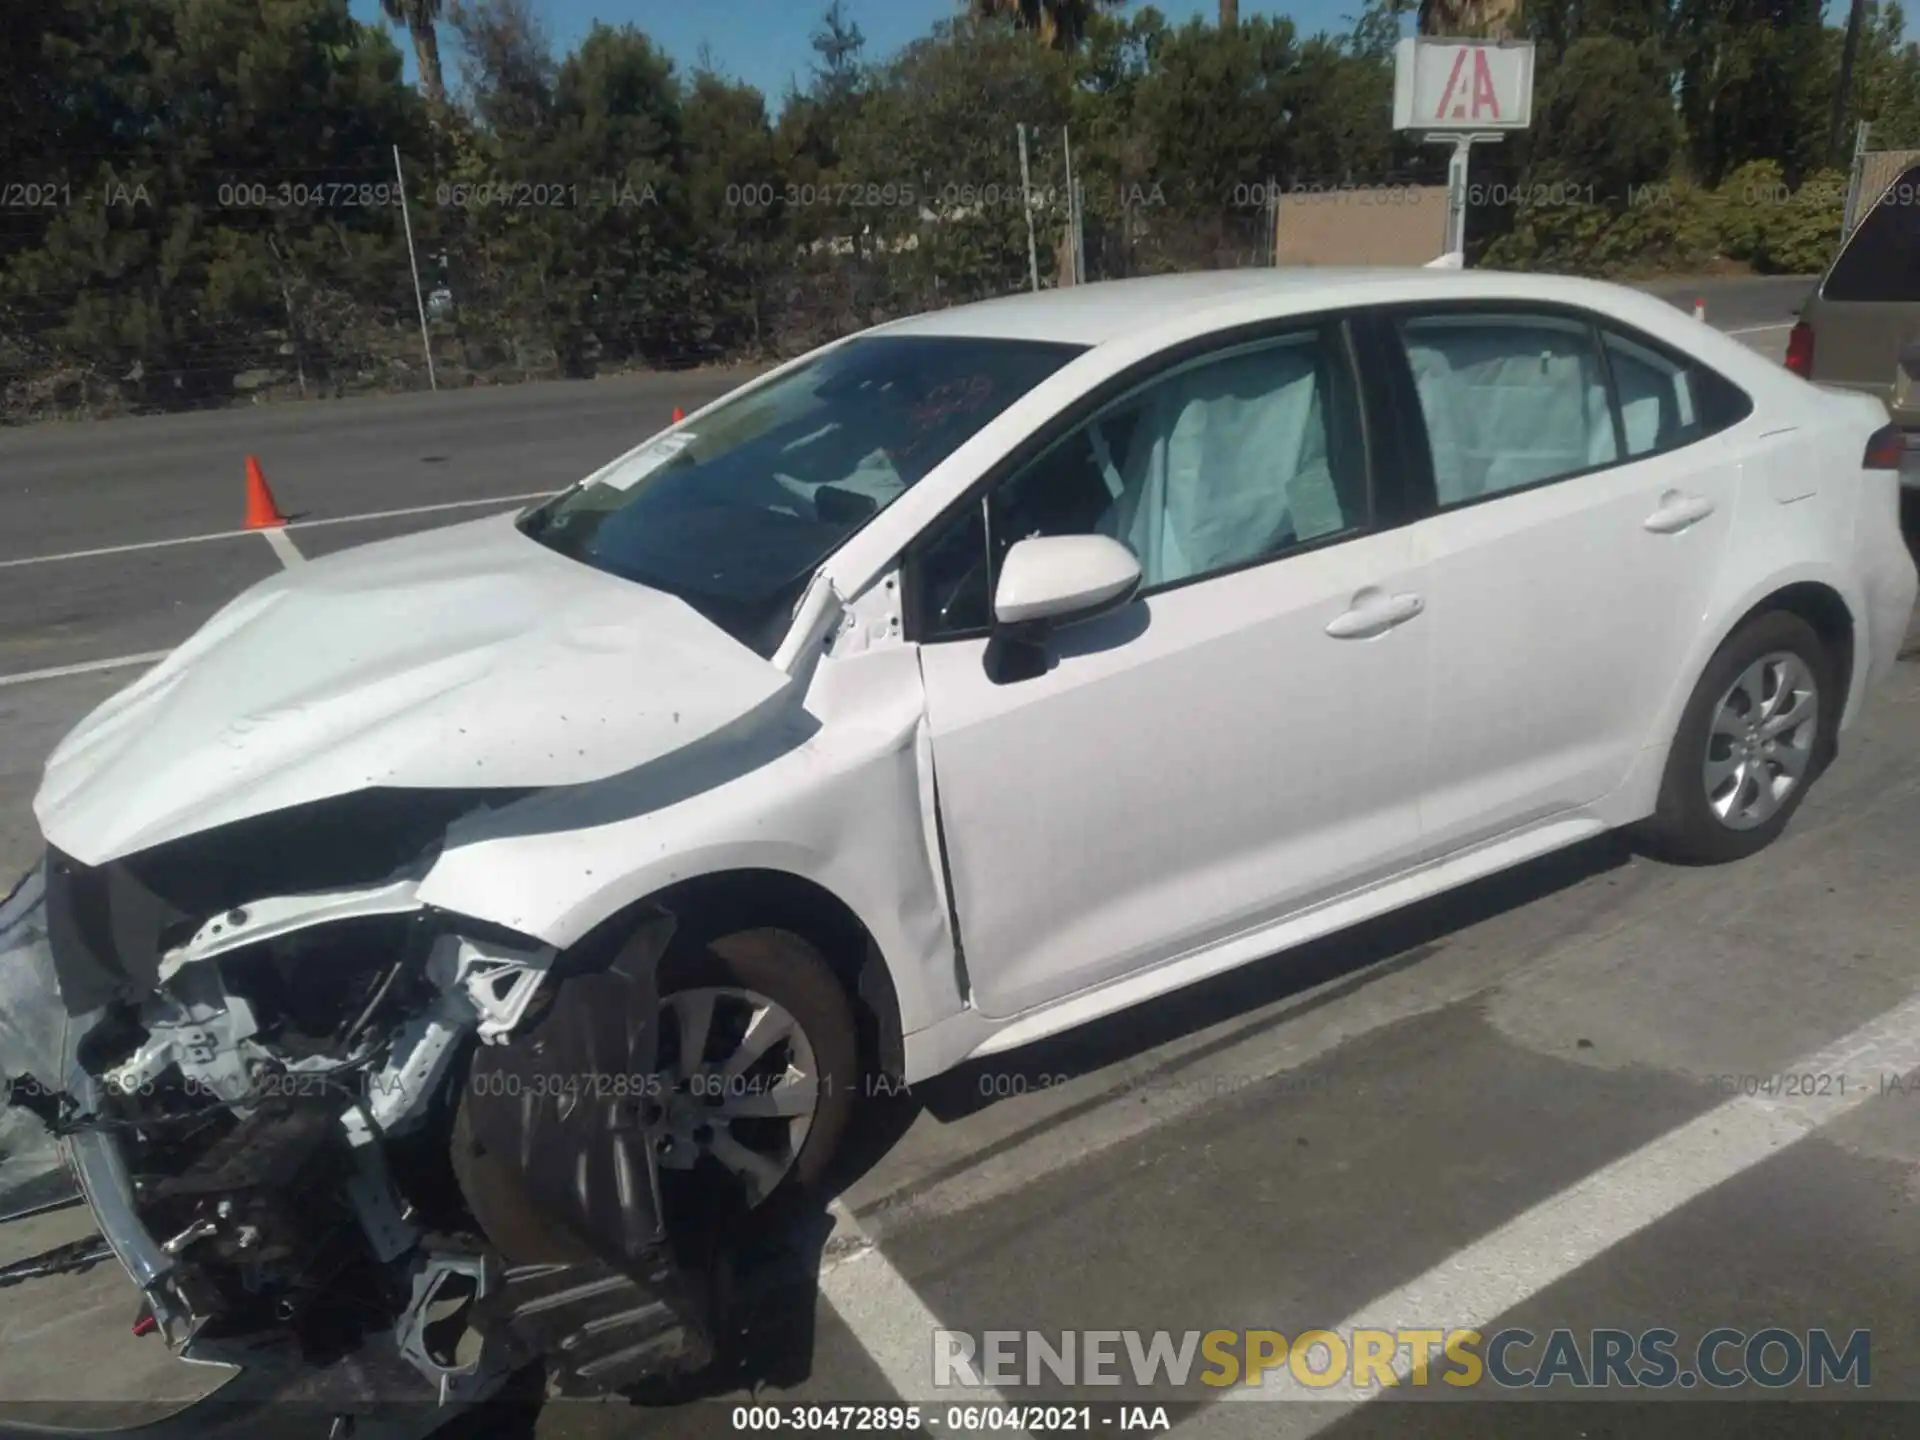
(1104, 310)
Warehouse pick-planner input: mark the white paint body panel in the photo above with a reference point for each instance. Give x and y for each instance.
(1192, 766)
(830, 791)
(1062, 574)
(1202, 778)
(1556, 620)
(462, 657)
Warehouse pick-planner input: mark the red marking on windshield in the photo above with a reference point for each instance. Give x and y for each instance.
(953, 397)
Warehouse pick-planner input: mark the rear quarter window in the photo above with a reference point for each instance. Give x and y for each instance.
(1881, 261)
(1667, 399)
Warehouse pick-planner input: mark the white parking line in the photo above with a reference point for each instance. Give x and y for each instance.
(293, 525)
(890, 1322)
(1757, 329)
(118, 662)
(283, 547)
(1473, 1287)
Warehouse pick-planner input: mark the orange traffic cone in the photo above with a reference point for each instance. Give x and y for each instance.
(678, 415)
(262, 513)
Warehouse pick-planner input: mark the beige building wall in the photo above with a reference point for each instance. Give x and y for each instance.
(1370, 225)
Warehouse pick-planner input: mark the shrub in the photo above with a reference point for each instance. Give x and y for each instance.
(1777, 229)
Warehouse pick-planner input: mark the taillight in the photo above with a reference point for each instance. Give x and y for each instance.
(1885, 449)
(1800, 350)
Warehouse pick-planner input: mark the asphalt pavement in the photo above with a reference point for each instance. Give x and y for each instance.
(1596, 1093)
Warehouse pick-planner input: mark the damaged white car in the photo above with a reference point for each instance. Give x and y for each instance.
(454, 927)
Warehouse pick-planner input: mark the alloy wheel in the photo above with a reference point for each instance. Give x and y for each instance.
(737, 1082)
(1760, 744)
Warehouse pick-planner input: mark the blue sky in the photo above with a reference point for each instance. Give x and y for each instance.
(764, 42)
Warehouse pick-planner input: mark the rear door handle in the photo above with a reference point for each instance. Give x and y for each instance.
(1373, 613)
(1677, 511)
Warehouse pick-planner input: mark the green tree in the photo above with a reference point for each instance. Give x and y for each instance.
(230, 183)
(1604, 120)
(1060, 24)
(508, 65)
(840, 46)
(939, 120)
(600, 265)
(1221, 112)
(1755, 78)
(419, 17)
(815, 123)
(736, 192)
(1886, 80)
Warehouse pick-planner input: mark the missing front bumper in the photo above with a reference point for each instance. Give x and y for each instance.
(601, 1295)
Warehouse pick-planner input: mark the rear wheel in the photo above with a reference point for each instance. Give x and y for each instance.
(1754, 736)
(757, 1067)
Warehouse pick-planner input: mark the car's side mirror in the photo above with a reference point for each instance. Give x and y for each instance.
(1064, 578)
(1049, 581)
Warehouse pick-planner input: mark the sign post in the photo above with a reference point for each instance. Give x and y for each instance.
(1461, 93)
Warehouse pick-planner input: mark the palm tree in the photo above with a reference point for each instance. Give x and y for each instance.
(419, 17)
(1470, 19)
(1060, 24)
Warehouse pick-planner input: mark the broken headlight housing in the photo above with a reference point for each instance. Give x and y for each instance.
(261, 1092)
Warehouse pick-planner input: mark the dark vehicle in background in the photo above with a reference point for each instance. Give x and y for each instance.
(1860, 329)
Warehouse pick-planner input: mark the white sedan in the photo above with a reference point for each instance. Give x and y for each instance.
(967, 679)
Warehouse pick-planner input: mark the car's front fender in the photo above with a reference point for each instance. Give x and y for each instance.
(839, 793)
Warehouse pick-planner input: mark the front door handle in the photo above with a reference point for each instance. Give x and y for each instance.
(1373, 613)
(1677, 511)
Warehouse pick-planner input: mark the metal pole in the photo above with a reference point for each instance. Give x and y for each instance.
(413, 260)
(1273, 222)
(1856, 176)
(1457, 196)
(1073, 248)
(1080, 232)
(1026, 202)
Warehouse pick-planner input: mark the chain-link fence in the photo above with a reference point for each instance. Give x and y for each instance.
(1882, 154)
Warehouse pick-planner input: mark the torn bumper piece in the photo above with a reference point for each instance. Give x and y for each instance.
(551, 1152)
(563, 1253)
(38, 1050)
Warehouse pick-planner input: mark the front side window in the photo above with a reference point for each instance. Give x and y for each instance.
(734, 513)
(1220, 462)
(1509, 400)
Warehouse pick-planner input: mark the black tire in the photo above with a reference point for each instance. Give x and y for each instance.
(789, 970)
(1684, 828)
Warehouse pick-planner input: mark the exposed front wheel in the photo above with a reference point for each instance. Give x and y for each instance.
(757, 1066)
(1753, 737)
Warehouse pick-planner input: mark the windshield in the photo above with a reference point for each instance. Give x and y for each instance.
(734, 512)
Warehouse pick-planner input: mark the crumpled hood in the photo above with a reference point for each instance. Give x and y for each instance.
(467, 657)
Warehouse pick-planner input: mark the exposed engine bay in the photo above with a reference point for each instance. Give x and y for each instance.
(345, 1118)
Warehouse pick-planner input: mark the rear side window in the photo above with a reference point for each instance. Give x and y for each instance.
(1515, 399)
(1509, 400)
(1881, 262)
(1657, 403)
(1665, 400)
